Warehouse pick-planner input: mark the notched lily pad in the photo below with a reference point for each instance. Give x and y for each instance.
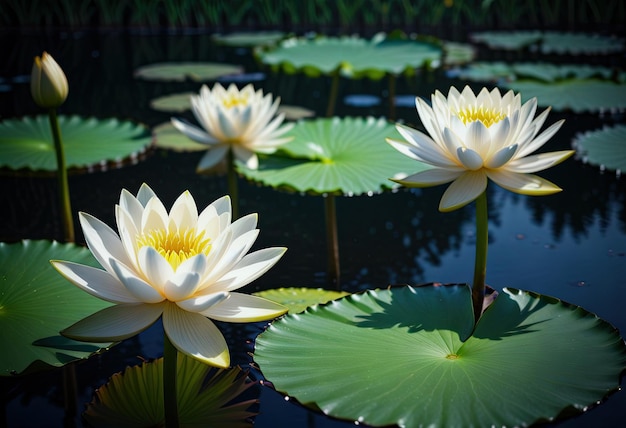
(36, 302)
(207, 397)
(604, 148)
(335, 155)
(181, 71)
(26, 144)
(353, 57)
(298, 299)
(420, 362)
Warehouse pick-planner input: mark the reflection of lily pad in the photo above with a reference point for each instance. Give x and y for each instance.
(411, 357)
(353, 57)
(249, 39)
(36, 303)
(87, 142)
(207, 397)
(605, 148)
(298, 299)
(180, 71)
(348, 156)
(551, 42)
(168, 137)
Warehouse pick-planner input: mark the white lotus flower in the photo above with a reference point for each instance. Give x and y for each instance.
(243, 121)
(476, 137)
(180, 265)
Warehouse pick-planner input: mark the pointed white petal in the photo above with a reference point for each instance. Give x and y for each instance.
(246, 156)
(196, 336)
(463, 190)
(525, 184)
(194, 132)
(202, 303)
(144, 194)
(154, 216)
(431, 177)
(115, 323)
(103, 242)
(244, 224)
(228, 124)
(540, 140)
(95, 281)
(251, 267)
(539, 161)
(155, 268)
(469, 158)
(245, 308)
(184, 213)
(139, 288)
(501, 157)
(131, 205)
(236, 250)
(212, 157)
(186, 279)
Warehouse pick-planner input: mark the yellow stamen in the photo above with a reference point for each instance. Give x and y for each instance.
(486, 116)
(231, 101)
(176, 247)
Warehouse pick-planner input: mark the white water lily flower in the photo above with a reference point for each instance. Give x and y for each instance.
(476, 137)
(180, 265)
(243, 121)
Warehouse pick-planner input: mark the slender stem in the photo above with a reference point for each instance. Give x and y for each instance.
(332, 241)
(64, 188)
(480, 263)
(232, 185)
(332, 97)
(392, 96)
(170, 355)
(69, 394)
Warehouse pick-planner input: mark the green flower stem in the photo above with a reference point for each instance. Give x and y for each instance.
(64, 188)
(332, 97)
(480, 263)
(232, 185)
(332, 241)
(170, 400)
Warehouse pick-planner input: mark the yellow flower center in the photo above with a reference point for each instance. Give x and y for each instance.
(176, 247)
(487, 116)
(231, 101)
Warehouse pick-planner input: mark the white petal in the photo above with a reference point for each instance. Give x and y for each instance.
(539, 161)
(154, 216)
(196, 336)
(194, 132)
(426, 149)
(478, 138)
(184, 213)
(501, 157)
(245, 308)
(131, 205)
(115, 323)
(139, 288)
(246, 156)
(95, 281)
(525, 184)
(186, 279)
(156, 269)
(236, 250)
(228, 124)
(202, 303)
(244, 224)
(541, 139)
(469, 158)
(212, 157)
(128, 231)
(103, 242)
(251, 267)
(431, 177)
(144, 194)
(463, 190)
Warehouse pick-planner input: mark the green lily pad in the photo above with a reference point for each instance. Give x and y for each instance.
(335, 155)
(551, 42)
(249, 39)
(294, 112)
(458, 53)
(352, 57)
(604, 148)
(88, 143)
(298, 299)
(181, 71)
(166, 136)
(410, 356)
(36, 302)
(207, 397)
(173, 103)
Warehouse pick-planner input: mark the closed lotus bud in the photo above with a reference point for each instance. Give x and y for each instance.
(48, 84)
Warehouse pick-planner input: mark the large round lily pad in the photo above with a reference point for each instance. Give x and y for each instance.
(352, 57)
(181, 71)
(36, 302)
(337, 155)
(87, 142)
(604, 148)
(207, 397)
(410, 356)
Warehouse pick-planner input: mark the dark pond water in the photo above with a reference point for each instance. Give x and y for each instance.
(571, 245)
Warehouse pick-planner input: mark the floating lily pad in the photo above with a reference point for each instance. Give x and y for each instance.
(340, 156)
(604, 148)
(298, 299)
(173, 103)
(551, 42)
(249, 39)
(352, 57)
(410, 356)
(166, 136)
(207, 397)
(458, 53)
(88, 143)
(181, 71)
(36, 303)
